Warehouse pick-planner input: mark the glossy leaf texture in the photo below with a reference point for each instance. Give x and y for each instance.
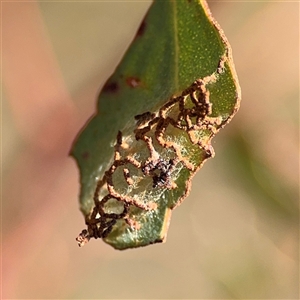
(174, 89)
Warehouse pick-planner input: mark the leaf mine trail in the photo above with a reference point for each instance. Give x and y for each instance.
(151, 158)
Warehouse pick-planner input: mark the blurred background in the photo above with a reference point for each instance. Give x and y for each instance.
(235, 237)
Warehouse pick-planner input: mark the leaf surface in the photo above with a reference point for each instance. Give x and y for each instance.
(174, 89)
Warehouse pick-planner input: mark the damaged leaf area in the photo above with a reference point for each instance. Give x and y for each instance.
(172, 92)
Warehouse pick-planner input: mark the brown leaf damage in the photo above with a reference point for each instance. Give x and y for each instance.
(151, 157)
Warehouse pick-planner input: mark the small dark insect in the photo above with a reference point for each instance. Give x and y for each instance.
(160, 171)
(164, 178)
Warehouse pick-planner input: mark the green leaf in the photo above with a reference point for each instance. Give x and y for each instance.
(174, 89)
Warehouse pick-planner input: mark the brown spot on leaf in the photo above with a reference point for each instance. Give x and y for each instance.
(111, 87)
(141, 29)
(133, 82)
(85, 155)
